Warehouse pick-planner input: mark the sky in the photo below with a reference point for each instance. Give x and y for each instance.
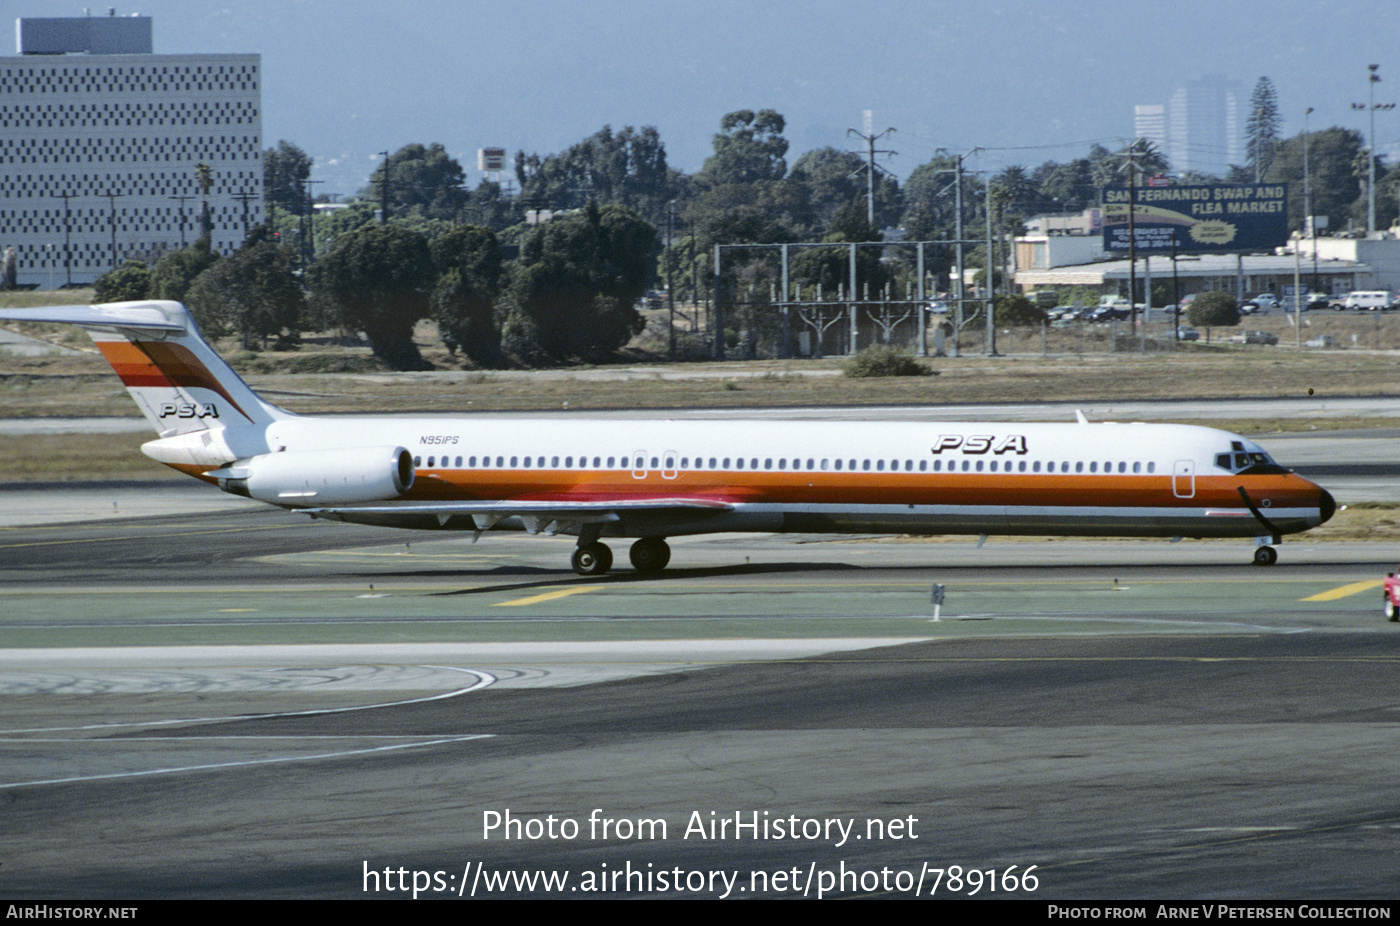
(1026, 81)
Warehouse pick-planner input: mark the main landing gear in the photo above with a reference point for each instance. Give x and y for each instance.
(591, 558)
(1265, 556)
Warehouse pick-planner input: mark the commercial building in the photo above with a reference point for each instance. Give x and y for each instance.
(99, 143)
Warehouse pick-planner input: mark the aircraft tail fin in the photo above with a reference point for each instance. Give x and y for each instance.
(179, 382)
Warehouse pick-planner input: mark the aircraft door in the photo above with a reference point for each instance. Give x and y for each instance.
(1184, 479)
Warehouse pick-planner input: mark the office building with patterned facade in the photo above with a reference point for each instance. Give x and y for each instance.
(99, 144)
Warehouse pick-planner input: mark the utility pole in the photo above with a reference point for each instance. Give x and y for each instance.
(871, 167)
(68, 238)
(308, 238)
(384, 189)
(245, 198)
(182, 200)
(112, 198)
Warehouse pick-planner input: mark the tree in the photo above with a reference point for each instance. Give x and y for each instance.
(1145, 158)
(750, 147)
(1332, 155)
(286, 169)
(469, 261)
(126, 283)
(627, 169)
(378, 278)
(1017, 311)
(253, 292)
(1065, 187)
(1214, 308)
(421, 181)
(1261, 130)
(575, 286)
(834, 178)
(176, 271)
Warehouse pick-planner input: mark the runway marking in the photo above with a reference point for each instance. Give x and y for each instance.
(1343, 591)
(483, 680)
(547, 596)
(247, 762)
(144, 536)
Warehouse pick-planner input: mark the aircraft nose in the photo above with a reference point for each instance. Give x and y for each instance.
(1326, 505)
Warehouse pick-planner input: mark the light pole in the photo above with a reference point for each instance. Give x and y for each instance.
(1372, 106)
(1308, 220)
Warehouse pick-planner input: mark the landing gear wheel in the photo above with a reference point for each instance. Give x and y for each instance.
(1265, 556)
(1391, 612)
(650, 554)
(592, 559)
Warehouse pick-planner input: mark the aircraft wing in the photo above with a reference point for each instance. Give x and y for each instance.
(547, 516)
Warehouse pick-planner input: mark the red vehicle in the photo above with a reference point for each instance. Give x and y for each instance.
(1391, 606)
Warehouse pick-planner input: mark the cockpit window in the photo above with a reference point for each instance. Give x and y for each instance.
(1241, 462)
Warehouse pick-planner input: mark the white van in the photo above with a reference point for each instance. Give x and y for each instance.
(1374, 300)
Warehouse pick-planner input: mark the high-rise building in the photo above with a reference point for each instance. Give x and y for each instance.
(1206, 133)
(100, 140)
(1150, 123)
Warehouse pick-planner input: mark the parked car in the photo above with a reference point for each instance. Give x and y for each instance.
(1373, 300)
(1262, 304)
(1187, 333)
(1253, 337)
(1324, 340)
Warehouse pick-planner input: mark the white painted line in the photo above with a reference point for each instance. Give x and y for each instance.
(483, 680)
(247, 762)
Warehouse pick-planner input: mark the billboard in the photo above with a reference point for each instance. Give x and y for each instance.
(491, 160)
(1199, 219)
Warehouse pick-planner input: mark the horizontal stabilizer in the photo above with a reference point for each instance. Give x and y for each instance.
(133, 316)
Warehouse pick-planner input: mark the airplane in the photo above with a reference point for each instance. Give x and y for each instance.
(657, 478)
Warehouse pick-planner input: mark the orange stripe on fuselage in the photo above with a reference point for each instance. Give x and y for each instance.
(817, 488)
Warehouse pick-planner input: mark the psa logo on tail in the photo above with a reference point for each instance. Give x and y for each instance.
(188, 410)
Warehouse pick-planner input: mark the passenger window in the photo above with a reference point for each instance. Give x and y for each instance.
(417, 461)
